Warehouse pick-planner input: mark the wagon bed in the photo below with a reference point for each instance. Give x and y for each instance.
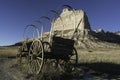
(61, 48)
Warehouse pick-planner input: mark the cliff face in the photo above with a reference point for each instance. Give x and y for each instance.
(74, 24)
(71, 20)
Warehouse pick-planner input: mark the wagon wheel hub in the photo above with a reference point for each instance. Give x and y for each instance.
(34, 57)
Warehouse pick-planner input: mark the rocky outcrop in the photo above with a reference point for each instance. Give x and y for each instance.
(107, 36)
(72, 20)
(74, 24)
(99, 31)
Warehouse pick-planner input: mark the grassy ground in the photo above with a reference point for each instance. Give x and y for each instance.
(96, 63)
(99, 55)
(6, 52)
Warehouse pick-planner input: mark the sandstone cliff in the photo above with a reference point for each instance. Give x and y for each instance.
(75, 24)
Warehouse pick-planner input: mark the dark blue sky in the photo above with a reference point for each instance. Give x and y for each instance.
(16, 14)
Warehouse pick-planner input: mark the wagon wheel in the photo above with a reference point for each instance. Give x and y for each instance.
(20, 52)
(36, 56)
(70, 64)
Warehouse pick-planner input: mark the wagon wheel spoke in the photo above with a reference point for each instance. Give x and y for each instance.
(40, 63)
(36, 57)
(74, 57)
(70, 64)
(40, 58)
(32, 67)
(35, 66)
(73, 61)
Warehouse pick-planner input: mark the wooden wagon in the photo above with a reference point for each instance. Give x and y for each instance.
(37, 51)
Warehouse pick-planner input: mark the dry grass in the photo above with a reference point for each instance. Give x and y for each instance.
(97, 60)
(99, 55)
(84, 55)
(8, 52)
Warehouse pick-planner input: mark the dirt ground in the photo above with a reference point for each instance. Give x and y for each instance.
(9, 71)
